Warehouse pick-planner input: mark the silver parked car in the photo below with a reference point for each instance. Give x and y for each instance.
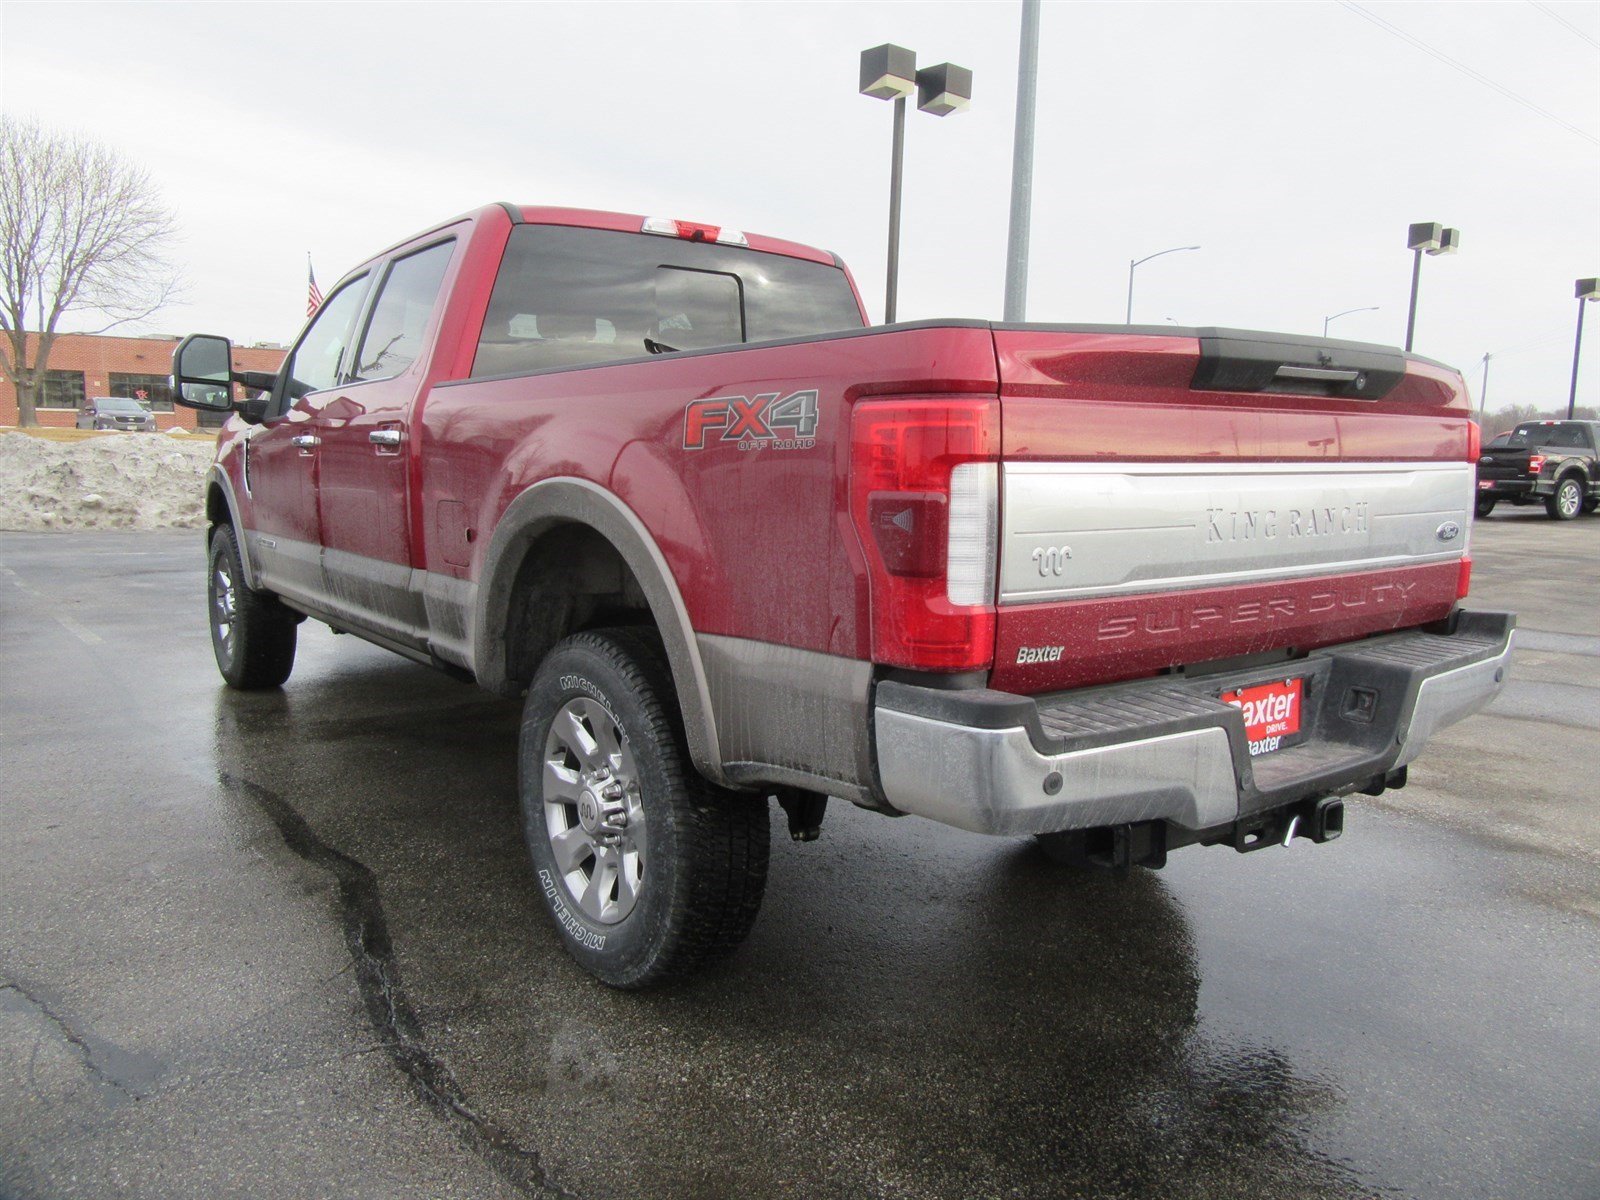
(116, 412)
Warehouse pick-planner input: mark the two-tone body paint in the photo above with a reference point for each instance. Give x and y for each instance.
(756, 535)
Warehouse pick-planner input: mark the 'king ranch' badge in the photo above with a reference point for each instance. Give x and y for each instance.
(1271, 713)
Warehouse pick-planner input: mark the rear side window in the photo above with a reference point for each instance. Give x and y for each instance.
(394, 333)
(569, 297)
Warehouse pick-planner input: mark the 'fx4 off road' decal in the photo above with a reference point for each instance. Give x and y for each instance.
(753, 424)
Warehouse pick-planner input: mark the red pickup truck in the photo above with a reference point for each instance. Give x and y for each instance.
(1122, 589)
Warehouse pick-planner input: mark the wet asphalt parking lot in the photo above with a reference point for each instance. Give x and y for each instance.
(286, 944)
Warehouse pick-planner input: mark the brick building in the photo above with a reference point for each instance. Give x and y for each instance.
(88, 364)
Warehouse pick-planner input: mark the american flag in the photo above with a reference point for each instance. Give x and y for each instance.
(313, 293)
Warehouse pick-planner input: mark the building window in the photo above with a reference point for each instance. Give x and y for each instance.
(61, 389)
(153, 390)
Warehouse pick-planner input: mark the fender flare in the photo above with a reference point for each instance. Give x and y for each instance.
(217, 477)
(569, 500)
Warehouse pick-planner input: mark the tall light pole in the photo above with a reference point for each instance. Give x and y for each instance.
(1585, 290)
(1345, 313)
(1483, 390)
(1146, 259)
(1426, 237)
(890, 73)
(1022, 166)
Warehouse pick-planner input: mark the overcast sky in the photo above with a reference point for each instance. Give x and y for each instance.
(1294, 142)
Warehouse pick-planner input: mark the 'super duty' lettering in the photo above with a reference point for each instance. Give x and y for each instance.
(1175, 618)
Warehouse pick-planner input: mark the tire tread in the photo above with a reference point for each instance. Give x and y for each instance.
(264, 632)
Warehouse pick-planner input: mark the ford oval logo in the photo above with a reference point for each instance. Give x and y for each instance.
(1448, 532)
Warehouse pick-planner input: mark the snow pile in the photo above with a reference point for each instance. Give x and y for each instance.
(120, 481)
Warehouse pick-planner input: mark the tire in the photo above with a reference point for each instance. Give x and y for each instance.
(1567, 502)
(648, 870)
(1485, 505)
(252, 634)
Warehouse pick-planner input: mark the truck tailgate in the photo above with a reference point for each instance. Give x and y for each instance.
(1171, 500)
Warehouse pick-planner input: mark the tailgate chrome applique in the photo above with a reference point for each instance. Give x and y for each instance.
(1139, 527)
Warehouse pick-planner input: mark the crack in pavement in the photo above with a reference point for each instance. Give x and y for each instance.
(366, 935)
(92, 1049)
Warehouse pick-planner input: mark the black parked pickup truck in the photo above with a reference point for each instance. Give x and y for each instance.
(1556, 462)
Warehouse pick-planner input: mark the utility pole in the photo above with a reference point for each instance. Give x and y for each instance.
(1016, 308)
(896, 173)
(1585, 290)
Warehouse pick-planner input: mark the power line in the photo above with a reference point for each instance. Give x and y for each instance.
(1462, 67)
(1557, 17)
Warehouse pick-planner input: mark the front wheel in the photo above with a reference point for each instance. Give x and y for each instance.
(648, 870)
(1485, 505)
(252, 635)
(1567, 501)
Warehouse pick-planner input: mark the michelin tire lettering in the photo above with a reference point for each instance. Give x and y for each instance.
(576, 929)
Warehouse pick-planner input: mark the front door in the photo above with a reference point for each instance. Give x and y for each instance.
(366, 456)
(281, 454)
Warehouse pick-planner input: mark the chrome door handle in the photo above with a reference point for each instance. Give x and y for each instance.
(306, 440)
(384, 437)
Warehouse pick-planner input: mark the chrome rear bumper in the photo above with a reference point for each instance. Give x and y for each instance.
(1169, 749)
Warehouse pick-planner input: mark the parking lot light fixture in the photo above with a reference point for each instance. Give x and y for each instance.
(1432, 238)
(1132, 266)
(1585, 290)
(944, 89)
(1345, 313)
(889, 72)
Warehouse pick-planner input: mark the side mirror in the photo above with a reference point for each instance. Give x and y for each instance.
(202, 373)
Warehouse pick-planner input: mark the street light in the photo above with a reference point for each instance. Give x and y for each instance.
(1426, 237)
(890, 73)
(1585, 290)
(1146, 259)
(1345, 313)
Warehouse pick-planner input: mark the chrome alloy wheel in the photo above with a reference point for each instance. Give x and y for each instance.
(224, 607)
(593, 811)
(1570, 498)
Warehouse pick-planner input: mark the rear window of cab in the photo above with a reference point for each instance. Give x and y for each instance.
(568, 297)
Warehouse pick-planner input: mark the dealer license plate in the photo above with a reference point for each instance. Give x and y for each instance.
(1271, 713)
(1485, 484)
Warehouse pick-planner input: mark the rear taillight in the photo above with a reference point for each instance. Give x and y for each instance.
(924, 495)
(1474, 441)
(1464, 577)
(1535, 463)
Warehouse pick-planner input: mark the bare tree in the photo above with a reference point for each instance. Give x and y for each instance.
(81, 229)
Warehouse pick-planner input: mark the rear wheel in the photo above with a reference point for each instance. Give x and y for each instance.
(648, 870)
(252, 634)
(1567, 502)
(1485, 505)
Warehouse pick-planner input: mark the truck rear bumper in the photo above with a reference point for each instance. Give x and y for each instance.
(1516, 489)
(1169, 749)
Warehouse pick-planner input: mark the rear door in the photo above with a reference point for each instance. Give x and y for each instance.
(365, 450)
